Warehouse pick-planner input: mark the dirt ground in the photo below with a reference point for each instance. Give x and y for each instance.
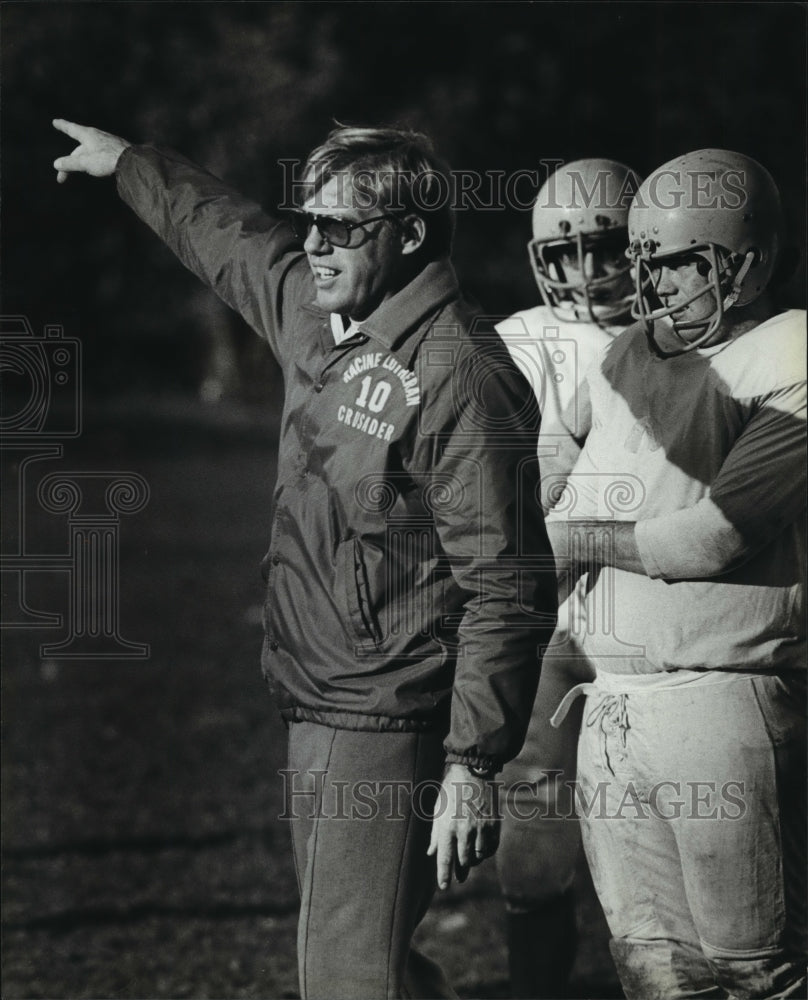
(143, 855)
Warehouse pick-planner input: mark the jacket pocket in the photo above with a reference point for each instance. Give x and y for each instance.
(355, 585)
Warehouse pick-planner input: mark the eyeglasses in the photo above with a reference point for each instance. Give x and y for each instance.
(335, 231)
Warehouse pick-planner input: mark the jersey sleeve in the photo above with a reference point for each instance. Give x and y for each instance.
(759, 491)
(250, 259)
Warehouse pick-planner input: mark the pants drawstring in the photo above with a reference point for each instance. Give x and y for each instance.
(610, 713)
(566, 702)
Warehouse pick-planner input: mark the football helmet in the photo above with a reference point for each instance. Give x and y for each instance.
(720, 206)
(581, 209)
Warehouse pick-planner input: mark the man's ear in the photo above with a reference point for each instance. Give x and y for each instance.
(413, 233)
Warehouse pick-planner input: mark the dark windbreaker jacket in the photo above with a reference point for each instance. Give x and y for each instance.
(410, 583)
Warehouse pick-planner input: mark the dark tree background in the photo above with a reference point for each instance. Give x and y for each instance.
(142, 845)
(236, 86)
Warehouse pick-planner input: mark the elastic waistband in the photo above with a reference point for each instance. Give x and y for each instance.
(606, 683)
(359, 722)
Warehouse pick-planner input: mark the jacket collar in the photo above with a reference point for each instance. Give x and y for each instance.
(404, 312)
(400, 317)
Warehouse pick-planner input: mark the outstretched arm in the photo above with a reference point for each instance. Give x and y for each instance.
(97, 152)
(252, 260)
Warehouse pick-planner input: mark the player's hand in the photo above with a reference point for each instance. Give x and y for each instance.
(97, 153)
(465, 824)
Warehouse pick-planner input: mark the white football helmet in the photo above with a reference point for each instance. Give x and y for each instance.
(718, 205)
(580, 209)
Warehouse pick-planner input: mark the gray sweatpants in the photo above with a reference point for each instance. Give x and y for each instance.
(360, 806)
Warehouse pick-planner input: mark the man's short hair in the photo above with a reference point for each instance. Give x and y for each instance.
(391, 170)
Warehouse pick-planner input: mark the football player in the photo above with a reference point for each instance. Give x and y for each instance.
(686, 510)
(578, 257)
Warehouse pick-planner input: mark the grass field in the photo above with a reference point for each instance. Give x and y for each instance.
(142, 851)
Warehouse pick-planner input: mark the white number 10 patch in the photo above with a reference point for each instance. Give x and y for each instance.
(377, 398)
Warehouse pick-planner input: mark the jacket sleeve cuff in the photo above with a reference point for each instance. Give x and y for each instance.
(123, 160)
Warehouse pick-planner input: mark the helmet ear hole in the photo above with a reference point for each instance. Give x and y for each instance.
(683, 216)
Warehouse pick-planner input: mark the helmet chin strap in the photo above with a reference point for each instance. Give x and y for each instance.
(723, 304)
(737, 284)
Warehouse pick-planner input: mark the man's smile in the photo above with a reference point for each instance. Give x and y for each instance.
(323, 275)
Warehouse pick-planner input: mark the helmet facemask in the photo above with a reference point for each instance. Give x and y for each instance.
(723, 270)
(577, 298)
